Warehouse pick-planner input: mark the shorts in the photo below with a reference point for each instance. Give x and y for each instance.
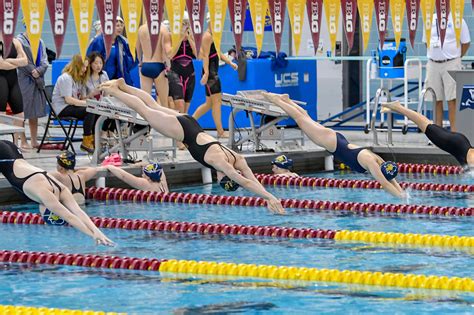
(181, 87)
(438, 78)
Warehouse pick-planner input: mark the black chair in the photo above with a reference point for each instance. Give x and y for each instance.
(68, 133)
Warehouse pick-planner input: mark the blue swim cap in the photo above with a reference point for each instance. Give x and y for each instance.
(51, 219)
(153, 171)
(389, 169)
(283, 162)
(67, 160)
(229, 184)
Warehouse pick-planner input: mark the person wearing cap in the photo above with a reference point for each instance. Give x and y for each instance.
(359, 159)
(281, 166)
(153, 177)
(74, 180)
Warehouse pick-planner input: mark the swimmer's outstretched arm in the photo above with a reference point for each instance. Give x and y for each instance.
(391, 186)
(126, 177)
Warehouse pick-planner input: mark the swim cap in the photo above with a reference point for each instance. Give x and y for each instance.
(50, 218)
(389, 169)
(283, 162)
(228, 184)
(153, 171)
(67, 160)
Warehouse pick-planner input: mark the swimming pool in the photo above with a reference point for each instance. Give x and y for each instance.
(154, 292)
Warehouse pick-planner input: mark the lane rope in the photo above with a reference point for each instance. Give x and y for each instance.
(412, 168)
(425, 240)
(29, 310)
(120, 194)
(243, 270)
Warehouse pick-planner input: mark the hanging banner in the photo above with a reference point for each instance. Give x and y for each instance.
(349, 16)
(277, 15)
(8, 18)
(457, 12)
(217, 10)
(33, 15)
(196, 9)
(58, 13)
(366, 9)
(381, 13)
(413, 7)
(83, 11)
(132, 14)
(442, 13)
(154, 13)
(175, 10)
(258, 11)
(107, 11)
(314, 8)
(427, 9)
(332, 9)
(296, 13)
(398, 12)
(237, 10)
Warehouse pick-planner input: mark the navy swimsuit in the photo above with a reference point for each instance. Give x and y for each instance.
(346, 155)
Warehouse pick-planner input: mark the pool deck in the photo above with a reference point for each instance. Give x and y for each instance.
(412, 147)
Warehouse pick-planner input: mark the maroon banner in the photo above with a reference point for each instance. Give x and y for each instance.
(154, 14)
(196, 9)
(381, 12)
(237, 9)
(58, 14)
(315, 10)
(107, 11)
(277, 14)
(413, 7)
(8, 18)
(442, 13)
(349, 15)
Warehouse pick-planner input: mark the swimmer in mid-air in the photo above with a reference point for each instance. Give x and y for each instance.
(56, 203)
(153, 177)
(203, 147)
(281, 166)
(454, 143)
(359, 159)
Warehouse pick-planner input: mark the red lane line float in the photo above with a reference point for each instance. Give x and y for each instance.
(309, 205)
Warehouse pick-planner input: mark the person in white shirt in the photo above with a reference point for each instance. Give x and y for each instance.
(440, 61)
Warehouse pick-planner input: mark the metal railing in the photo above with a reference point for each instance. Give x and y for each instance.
(379, 93)
(422, 103)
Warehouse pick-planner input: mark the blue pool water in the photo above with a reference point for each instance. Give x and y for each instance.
(152, 292)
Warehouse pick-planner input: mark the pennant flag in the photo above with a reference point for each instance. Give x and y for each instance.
(107, 11)
(196, 9)
(277, 15)
(457, 11)
(427, 9)
(366, 9)
(258, 12)
(132, 14)
(413, 7)
(314, 8)
(175, 9)
(349, 15)
(83, 11)
(153, 13)
(442, 13)
(381, 11)
(33, 15)
(58, 13)
(332, 9)
(398, 12)
(237, 9)
(296, 13)
(8, 18)
(217, 11)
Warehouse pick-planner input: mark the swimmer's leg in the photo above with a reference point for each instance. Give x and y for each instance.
(421, 121)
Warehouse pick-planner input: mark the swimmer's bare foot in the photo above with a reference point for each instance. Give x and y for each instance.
(180, 145)
(390, 106)
(224, 134)
(272, 97)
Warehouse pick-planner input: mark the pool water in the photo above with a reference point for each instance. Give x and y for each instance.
(152, 292)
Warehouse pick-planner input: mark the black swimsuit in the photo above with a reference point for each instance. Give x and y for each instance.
(213, 85)
(9, 86)
(454, 143)
(191, 130)
(75, 190)
(181, 78)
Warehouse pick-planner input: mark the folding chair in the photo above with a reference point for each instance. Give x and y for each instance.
(68, 133)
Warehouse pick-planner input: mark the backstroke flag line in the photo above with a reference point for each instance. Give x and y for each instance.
(33, 14)
(427, 9)
(132, 13)
(442, 13)
(296, 13)
(175, 9)
(397, 7)
(349, 18)
(107, 11)
(58, 14)
(153, 10)
(83, 11)
(277, 14)
(196, 10)
(332, 9)
(457, 11)
(8, 17)
(314, 8)
(258, 11)
(381, 13)
(413, 7)
(237, 10)
(366, 9)
(217, 10)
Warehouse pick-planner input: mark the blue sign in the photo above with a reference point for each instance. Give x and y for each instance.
(467, 99)
(248, 26)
